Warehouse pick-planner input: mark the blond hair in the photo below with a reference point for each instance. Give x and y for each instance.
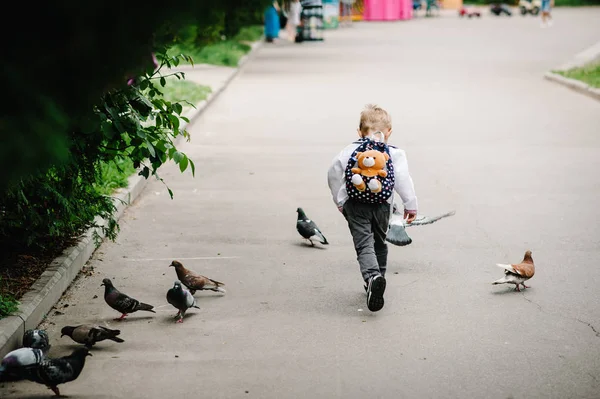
(374, 118)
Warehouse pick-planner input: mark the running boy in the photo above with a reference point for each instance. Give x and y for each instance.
(368, 222)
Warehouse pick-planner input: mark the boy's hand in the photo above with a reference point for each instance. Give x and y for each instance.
(410, 216)
(341, 208)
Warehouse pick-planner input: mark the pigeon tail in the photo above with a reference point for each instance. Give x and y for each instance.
(318, 235)
(145, 306)
(116, 339)
(502, 280)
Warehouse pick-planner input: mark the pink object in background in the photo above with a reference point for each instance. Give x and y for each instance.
(381, 10)
(387, 10)
(406, 9)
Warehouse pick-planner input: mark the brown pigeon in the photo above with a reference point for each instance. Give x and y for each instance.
(122, 302)
(519, 273)
(89, 334)
(194, 281)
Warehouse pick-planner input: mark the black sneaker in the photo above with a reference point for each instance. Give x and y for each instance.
(375, 293)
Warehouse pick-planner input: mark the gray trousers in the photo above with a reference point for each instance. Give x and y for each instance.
(368, 224)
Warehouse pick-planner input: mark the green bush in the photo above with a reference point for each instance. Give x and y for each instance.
(130, 128)
(251, 33)
(67, 56)
(225, 53)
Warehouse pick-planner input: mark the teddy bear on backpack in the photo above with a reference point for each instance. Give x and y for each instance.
(370, 172)
(369, 164)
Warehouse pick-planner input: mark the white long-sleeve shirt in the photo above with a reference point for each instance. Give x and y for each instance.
(403, 185)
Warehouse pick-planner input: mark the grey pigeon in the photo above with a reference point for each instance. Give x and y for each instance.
(396, 233)
(17, 365)
(121, 302)
(37, 339)
(52, 372)
(89, 334)
(308, 229)
(181, 299)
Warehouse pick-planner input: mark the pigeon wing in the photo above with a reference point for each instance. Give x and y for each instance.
(125, 304)
(190, 301)
(423, 220)
(177, 298)
(306, 228)
(53, 372)
(507, 268)
(524, 269)
(194, 281)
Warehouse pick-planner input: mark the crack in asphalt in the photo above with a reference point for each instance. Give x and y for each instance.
(596, 332)
(590, 326)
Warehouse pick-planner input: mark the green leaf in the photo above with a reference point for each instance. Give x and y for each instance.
(183, 164)
(163, 81)
(151, 149)
(193, 167)
(174, 121)
(170, 192)
(177, 156)
(178, 108)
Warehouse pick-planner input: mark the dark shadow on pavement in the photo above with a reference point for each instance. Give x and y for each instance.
(307, 245)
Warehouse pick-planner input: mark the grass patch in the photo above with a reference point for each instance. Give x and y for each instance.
(8, 305)
(114, 175)
(250, 33)
(226, 53)
(184, 91)
(589, 74)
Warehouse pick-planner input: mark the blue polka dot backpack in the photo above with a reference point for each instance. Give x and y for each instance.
(370, 172)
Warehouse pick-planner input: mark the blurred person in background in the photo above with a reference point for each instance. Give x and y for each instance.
(546, 17)
(311, 21)
(346, 15)
(272, 22)
(295, 8)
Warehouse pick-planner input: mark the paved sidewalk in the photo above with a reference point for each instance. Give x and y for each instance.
(515, 155)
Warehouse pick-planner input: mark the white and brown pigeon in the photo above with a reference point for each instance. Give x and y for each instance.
(194, 281)
(181, 299)
(308, 229)
(89, 334)
(517, 274)
(121, 302)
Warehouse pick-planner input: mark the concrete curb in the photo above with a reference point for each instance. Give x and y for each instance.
(574, 84)
(59, 275)
(589, 55)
